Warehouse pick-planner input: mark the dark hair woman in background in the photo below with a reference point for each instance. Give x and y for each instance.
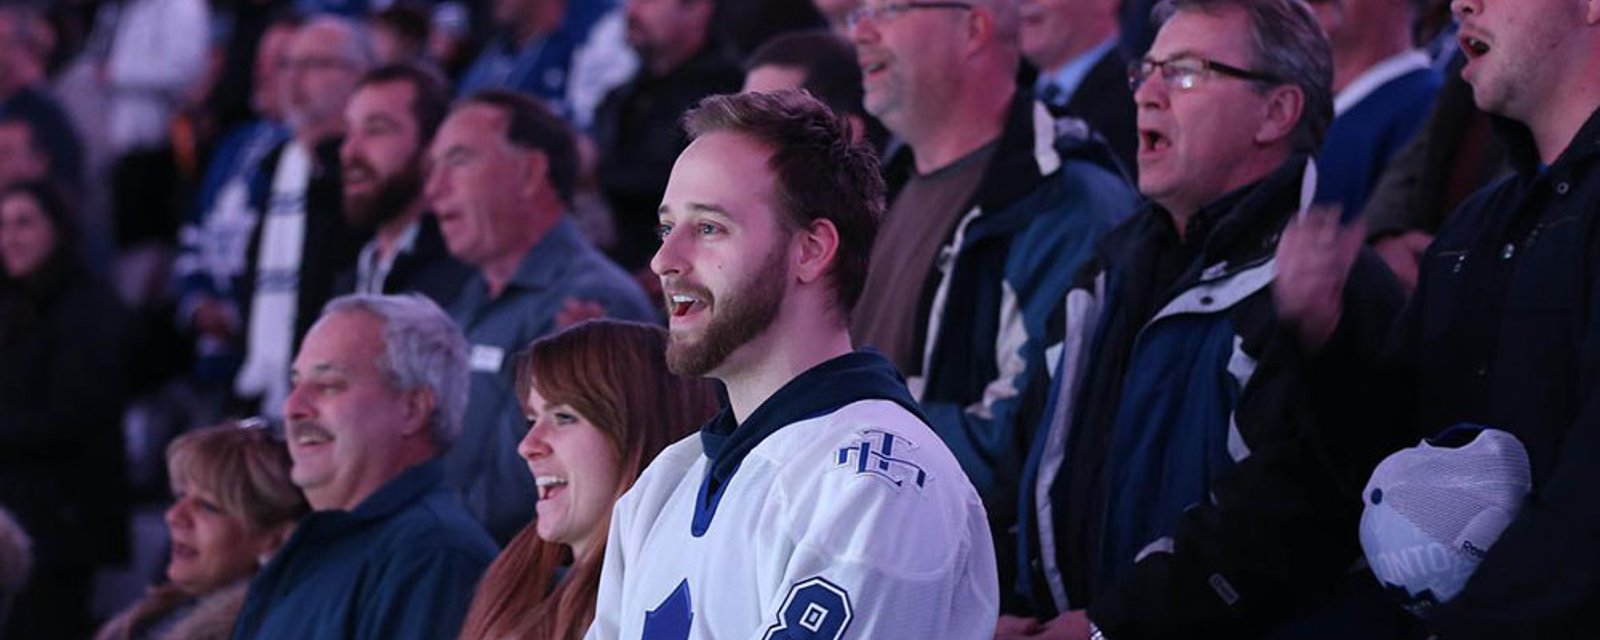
(62, 469)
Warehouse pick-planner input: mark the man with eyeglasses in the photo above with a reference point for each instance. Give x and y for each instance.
(301, 241)
(991, 212)
(1179, 486)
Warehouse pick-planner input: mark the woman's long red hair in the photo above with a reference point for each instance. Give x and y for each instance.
(614, 374)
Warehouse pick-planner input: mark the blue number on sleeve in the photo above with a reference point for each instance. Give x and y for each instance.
(815, 609)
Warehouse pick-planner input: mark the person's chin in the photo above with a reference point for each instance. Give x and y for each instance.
(182, 577)
(548, 529)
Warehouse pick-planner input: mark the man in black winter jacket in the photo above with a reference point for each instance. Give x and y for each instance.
(1504, 328)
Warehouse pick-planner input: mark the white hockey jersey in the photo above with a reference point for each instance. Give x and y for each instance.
(854, 522)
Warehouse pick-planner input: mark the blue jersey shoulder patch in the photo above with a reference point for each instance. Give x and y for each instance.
(883, 455)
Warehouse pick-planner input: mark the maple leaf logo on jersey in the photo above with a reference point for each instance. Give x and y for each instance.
(875, 454)
(670, 620)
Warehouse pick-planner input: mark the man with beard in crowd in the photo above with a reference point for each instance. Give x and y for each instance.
(389, 122)
(821, 482)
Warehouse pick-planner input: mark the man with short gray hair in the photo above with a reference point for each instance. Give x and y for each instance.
(1179, 485)
(380, 386)
(301, 242)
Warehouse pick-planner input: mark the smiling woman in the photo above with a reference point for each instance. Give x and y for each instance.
(600, 404)
(233, 507)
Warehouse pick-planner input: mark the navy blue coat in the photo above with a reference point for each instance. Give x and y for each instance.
(402, 564)
(1049, 193)
(1183, 484)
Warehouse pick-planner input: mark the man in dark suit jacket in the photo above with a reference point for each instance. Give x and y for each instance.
(389, 121)
(1082, 73)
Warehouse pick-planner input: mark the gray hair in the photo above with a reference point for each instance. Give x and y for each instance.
(1287, 43)
(1007, 20)
(422, 348)
(358, 45)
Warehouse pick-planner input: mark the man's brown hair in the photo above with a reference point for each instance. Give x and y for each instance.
(820, 173)
(430, 94)
(532, 126)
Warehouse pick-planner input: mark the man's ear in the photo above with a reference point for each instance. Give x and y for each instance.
(858, 127)
(979, 29)
(418, 404)
(1285, 106)
(535, 172)
(816, 246)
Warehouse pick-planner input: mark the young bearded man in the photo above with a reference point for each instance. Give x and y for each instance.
(819, 503)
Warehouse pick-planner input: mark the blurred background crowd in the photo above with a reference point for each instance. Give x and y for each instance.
(185, 183)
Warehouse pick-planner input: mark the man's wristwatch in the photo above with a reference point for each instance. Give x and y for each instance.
(1095, 633)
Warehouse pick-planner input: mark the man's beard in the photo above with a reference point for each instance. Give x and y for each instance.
(740, 317)
(638, 39)
(392, 196)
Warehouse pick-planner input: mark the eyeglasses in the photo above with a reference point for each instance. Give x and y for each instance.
(262, 425)
(890, 11)
(1184, 72)
(315, 63)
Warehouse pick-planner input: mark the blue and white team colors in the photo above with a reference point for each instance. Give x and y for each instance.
(832, 512)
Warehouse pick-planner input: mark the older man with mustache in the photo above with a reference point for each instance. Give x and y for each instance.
(380, 386)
